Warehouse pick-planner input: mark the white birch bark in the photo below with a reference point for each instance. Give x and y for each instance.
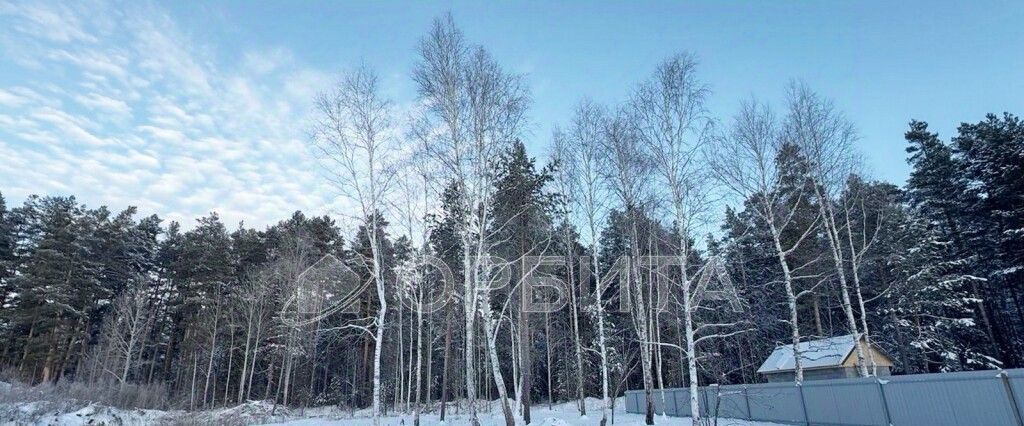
(580, 154)
(856, 256)
(480, 110)
(127, 330)
(744, 162)
(824, 136)
(355, 140)
(674, 127)
(626, 170)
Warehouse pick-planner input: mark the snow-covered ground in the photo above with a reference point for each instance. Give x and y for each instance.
(74, 412)
(43, 413)
(564, 414)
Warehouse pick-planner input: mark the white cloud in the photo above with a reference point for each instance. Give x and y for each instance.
(107, 105)
(98, 64)
(10, 99)
(264, 62)
(134, 112)
(168, 135)
(67, 127)
(56, 22)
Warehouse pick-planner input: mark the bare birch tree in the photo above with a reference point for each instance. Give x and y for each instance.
(250, 301)
(413, 286)
(478, 109)
(565, 184)
(673, 124)
(626, 170)
(744, 161)
(860, 241)
(581, 158)
(824, 135)
(127, 330)
(286, 271)
(354, 135)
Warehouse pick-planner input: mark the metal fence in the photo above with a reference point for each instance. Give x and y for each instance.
(991, 398)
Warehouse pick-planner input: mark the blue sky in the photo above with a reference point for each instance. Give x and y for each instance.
(188, 107)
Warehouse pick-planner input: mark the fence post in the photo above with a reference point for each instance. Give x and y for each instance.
(1013, 400)
(803, 404)
(885, 402)
(746, 398)
(675, 404)
(707, 404)
(718, 401)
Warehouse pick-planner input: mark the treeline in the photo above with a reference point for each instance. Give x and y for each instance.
(931, 271)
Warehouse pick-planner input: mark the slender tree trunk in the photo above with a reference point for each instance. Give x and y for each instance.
(470, 307)
(213, 350)
(492, 351)
(577, 343)
(430, 361)
(255, 357)
(828, 218)
(192, 392)
(419, 357)
(790, 298)
(231, 358)
(242, 379)
(816, 301)
(446, 361)
(547, 344)
(855, 272)
(606, 401)
(526, 361)
(399, 392)
(378, 347)
(688, 310)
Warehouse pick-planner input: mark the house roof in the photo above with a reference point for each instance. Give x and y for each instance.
(830, 352)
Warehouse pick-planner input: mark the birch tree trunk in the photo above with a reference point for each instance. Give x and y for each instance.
(824, 135)
(353, 135)
(794, 323)
(212, 349)
(745, 162)
(419, 356)
(835, 246)
(499, 380)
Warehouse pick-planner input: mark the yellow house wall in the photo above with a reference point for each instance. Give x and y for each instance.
(870, 353)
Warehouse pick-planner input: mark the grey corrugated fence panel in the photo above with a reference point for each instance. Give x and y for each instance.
(659, 406)
(706, 398)
(1016, 379)
(632, 403)
(775, 402)
(682, 397)
(730, 401)
(950, 399)
(844, 402)
(684, 401)
(943, 399)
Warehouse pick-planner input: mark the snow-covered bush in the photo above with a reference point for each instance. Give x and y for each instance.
(80, 394)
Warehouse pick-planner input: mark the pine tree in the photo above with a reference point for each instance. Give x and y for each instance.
(990, 162)
(522, 224)
(938, 193)
(931, 310)
(445, 243)
(58, 284)
(6, 255)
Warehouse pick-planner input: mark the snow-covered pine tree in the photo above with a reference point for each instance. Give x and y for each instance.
(990, 162)
(7, 242)
(931, 309)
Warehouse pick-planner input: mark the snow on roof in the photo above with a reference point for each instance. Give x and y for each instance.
(820, 353)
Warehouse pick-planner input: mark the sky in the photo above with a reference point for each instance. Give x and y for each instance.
(184, 108)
